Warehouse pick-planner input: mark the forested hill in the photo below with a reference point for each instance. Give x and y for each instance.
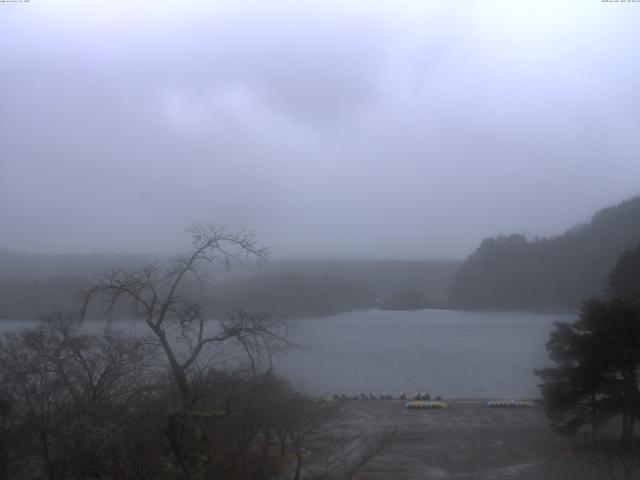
(34, 284)
(557, 273)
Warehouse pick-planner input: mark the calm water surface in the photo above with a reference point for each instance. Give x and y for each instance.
(456, 354)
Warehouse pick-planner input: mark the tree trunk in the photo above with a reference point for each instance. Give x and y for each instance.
(283, 444)
(266, 444)
(264, 454)
(626, 431)
(594, 420)
(171, 431)
(298, 462)
(177, 372)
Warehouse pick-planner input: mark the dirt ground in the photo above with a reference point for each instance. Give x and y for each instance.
(466, 441)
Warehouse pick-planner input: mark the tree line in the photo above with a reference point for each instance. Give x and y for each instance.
(547, 274)
(282, 288)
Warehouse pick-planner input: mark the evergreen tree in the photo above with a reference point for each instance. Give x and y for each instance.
(597, 360)
(624, 281)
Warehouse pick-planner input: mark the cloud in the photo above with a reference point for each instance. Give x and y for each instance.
(381, 129)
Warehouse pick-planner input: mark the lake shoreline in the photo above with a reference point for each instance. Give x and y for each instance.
(465, 440)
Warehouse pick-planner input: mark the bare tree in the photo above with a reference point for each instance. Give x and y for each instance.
(159, 297)
(307, 418)
(57, 378)
(177, 319)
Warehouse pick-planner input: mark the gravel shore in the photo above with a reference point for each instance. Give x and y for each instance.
(467, 440)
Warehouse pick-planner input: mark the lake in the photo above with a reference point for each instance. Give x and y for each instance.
(456, 354)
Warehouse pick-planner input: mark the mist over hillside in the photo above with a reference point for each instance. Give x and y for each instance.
(504, 272)
(556, 273)
(33, 284)
(30, 266)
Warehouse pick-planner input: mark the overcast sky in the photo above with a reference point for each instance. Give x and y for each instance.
(333, 129)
